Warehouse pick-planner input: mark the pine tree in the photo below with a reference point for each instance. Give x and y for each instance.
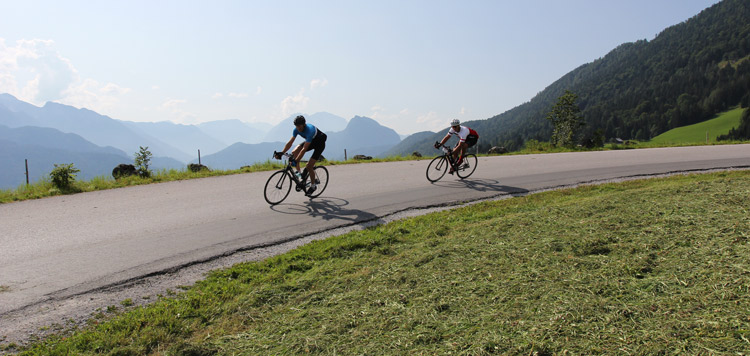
(567, 121)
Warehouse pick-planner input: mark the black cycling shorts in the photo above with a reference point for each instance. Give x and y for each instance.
(471, 140)
(318, 145)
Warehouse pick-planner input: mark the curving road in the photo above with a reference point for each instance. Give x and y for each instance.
(59, 247)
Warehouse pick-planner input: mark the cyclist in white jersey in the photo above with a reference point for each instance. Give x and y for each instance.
(466, 138)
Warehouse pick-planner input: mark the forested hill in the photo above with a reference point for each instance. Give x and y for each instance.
(686, 74)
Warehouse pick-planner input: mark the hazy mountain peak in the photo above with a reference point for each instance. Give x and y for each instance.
(362, 120)
(12, 103)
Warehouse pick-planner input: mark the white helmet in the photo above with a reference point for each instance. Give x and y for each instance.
(455, 122)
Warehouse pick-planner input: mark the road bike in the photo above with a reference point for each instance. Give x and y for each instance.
(280, 183)
(439, 165)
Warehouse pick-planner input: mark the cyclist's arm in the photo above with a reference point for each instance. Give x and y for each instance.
(288, 145)
(457, 149)
(445, 139)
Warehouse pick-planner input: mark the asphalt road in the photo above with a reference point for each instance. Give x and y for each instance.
(55, 248)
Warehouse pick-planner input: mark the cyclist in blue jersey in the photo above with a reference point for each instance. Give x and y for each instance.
(314, 140)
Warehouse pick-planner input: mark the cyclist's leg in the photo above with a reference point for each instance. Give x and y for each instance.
(310, 169)
(455, 151)
(318, 146)
(470, 142)
(295, 152)
(455, 156)
(461, 151)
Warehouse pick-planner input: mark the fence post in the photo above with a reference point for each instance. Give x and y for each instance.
(27, 171)
(199, 157)
(344, 154)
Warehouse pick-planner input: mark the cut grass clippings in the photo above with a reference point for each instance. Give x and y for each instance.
(644, 267)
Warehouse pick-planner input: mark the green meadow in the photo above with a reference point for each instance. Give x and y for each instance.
(696, 133)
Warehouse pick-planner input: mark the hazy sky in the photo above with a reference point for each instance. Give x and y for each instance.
(412, 65)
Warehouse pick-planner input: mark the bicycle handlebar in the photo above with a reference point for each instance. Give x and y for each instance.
(287, 155)
(438, 145)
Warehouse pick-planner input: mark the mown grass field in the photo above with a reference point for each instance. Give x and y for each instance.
(643, 267)
(696, 133)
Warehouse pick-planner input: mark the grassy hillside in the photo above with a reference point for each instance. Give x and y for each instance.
(696, 133)
(644, 267)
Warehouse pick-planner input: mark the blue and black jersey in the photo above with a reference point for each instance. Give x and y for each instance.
(315, 137)
(308, 133)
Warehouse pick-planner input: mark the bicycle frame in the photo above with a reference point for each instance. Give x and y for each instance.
(277, 186)
(288, 168)
(448, 153)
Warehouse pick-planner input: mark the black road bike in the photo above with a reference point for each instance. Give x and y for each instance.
(280, 183)
(440, 164)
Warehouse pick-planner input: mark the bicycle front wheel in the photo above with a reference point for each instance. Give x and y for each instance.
(468, 166)
(321, 177)
(278, 187)
(437, 168)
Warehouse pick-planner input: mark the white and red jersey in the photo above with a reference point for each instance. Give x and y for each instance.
(463, 133)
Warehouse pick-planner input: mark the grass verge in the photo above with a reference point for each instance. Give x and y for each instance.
(643, 267)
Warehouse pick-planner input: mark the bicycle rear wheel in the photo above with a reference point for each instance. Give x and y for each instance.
(437, 168)
(468, 166)
(277, 187)
(321, 175)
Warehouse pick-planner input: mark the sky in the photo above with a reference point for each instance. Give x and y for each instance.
(413, 65)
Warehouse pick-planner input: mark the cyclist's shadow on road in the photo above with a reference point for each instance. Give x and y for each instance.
(328, 208)
(481, 185)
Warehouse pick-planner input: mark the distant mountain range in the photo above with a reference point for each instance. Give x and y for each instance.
(231, 131)
(56, 134)
(45, 147)
(98, 129)
(360, 136)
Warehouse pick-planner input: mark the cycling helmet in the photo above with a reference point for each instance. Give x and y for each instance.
(299, 120)
(455, 122)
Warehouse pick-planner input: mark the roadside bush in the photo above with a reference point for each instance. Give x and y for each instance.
(123, 170)
(193, 167)
(593, 139)
(63, 176)
(142, 161)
